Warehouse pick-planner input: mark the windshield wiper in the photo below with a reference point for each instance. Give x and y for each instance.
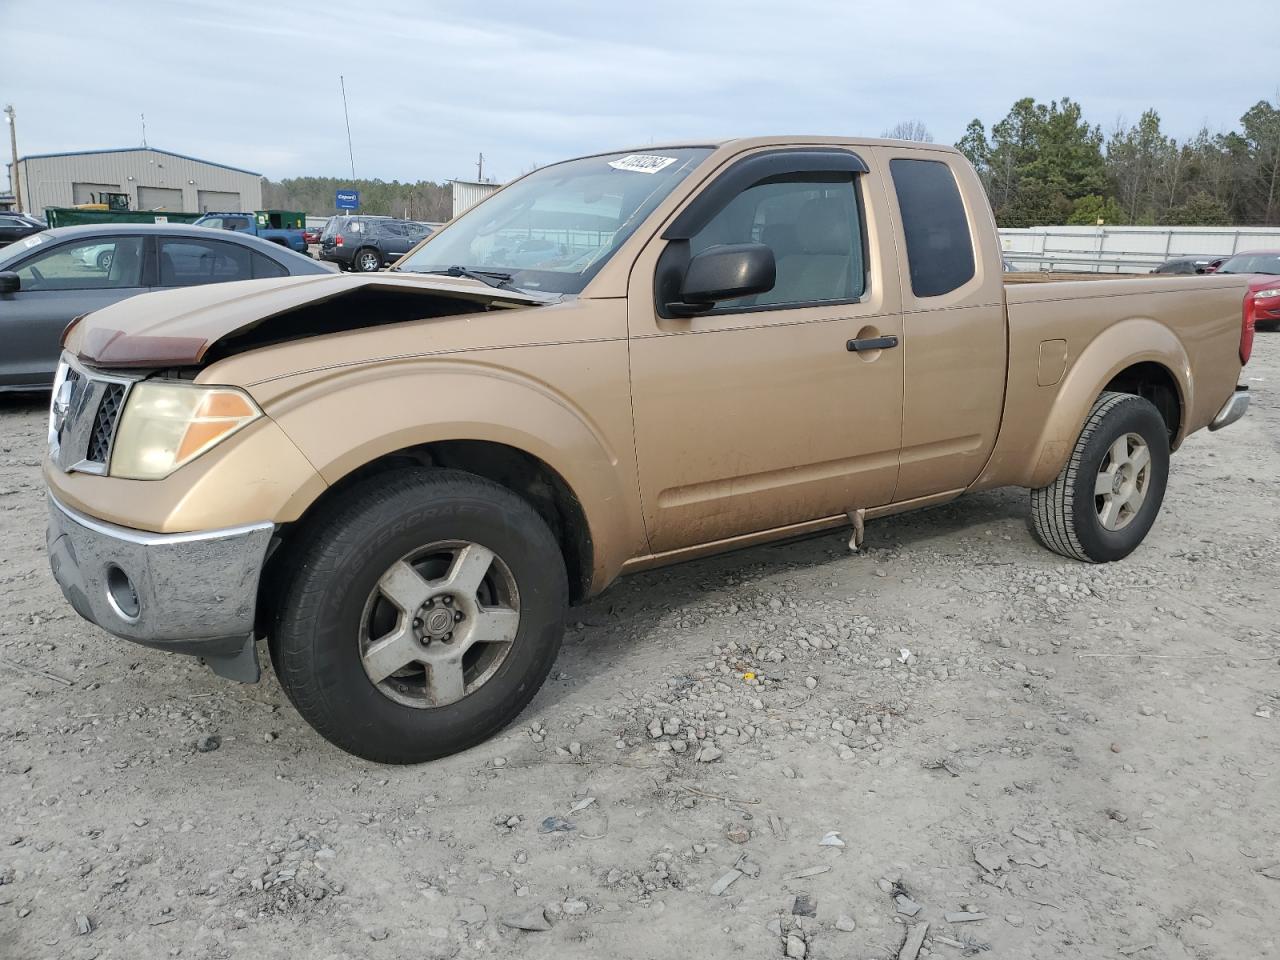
(494, 278)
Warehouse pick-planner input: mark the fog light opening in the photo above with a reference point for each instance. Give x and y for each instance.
(121, 594)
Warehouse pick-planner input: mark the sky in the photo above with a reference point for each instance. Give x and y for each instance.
(431, 85)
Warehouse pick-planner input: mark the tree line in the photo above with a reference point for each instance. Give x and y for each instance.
(423, 200)
(1044, 164)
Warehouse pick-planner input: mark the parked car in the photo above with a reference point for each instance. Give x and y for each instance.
(1185, 265)
(312, 234)
(1263, 269)
(98, 257)
(49, 278)
(365, 244)
(15, 226)
(411, 475)
(248, 223)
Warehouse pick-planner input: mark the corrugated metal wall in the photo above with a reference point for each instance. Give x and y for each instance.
(48, 181)
(467, 193)
(1125, 249)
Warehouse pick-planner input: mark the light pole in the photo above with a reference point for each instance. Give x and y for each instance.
(15, 181)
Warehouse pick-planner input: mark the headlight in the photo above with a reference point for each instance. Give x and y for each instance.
(1270, 292)
(165, 425)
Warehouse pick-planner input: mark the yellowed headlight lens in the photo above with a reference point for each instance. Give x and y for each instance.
(165, 425)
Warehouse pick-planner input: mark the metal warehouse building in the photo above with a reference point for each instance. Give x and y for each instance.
(153, 179)
(467, 193)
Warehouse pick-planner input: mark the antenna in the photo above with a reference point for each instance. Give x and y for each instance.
(350, 153)
(144, 128)
(480, 169)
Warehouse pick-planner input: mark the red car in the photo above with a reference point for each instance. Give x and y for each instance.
(1263, 299)
(312, 234)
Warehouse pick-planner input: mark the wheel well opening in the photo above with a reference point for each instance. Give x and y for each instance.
(1153, 382)
(520, 472)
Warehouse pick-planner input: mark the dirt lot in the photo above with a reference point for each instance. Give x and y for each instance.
(1084, 756)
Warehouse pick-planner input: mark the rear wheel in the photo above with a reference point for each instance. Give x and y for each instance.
(422, 616)
(366, 261)
(104, 260)
(1106, 498)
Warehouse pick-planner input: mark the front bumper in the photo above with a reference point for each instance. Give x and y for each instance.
(1232, 410)
(190, 593)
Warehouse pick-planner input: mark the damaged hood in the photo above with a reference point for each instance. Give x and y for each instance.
(177, 327)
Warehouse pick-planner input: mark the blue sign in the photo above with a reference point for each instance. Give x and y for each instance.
(347, 200)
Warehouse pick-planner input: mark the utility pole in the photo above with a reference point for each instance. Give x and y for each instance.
(350, 153)
(15, 181)
(480, 169)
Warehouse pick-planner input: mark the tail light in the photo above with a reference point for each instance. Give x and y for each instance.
(1248, 325)
(337, 241)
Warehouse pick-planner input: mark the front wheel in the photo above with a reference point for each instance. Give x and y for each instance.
(422, 616)
(1107, 496)
(104, 260)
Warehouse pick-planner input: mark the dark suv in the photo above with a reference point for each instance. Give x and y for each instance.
(366, 244)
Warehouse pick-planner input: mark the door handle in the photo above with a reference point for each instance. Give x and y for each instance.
(871, 343)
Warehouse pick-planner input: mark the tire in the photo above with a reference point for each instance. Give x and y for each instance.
(1068, 515)
(334, 594)
(104, 260)
(366, 260)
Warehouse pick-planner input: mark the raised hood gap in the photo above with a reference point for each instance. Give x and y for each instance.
(197, 325)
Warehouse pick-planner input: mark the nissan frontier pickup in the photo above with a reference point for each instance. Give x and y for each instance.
(400, 481)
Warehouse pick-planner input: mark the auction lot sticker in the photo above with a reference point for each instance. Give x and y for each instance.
(642, 163)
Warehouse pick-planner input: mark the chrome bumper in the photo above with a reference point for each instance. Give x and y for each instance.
(1232, 410)
(186, 592)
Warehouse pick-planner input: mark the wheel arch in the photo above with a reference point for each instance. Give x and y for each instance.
(1140, 356)
(1155, 382)
(529, 477)
(517, 433)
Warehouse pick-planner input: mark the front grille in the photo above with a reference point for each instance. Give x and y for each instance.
(104, 424)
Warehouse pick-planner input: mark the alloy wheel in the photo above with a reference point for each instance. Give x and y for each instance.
(439, 624)
(1123, 480)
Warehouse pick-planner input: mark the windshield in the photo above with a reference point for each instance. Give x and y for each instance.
(554, 229)
(1252, 263)
(20, 248)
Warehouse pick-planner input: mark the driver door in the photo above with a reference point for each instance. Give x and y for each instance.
(59, 284)
(757, 415)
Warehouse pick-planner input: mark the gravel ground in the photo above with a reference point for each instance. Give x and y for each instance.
(790, 751)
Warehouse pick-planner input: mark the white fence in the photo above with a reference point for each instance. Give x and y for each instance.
(1125, 249)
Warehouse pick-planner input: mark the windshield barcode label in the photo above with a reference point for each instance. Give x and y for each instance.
(642, 163)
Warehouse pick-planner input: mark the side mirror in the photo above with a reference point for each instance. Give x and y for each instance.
(10, 282)
(725, 272)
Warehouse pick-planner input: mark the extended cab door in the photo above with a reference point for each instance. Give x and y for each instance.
(756, 414)
(955, 336)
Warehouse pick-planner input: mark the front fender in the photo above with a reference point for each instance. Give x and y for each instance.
(353, 416)
(1041, 424)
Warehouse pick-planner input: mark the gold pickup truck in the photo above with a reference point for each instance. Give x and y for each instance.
(402, 480)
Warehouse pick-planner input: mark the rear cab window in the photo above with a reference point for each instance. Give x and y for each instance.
(934, 223)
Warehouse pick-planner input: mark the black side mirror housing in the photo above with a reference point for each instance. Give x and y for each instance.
(10, 282)
(725, 272)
